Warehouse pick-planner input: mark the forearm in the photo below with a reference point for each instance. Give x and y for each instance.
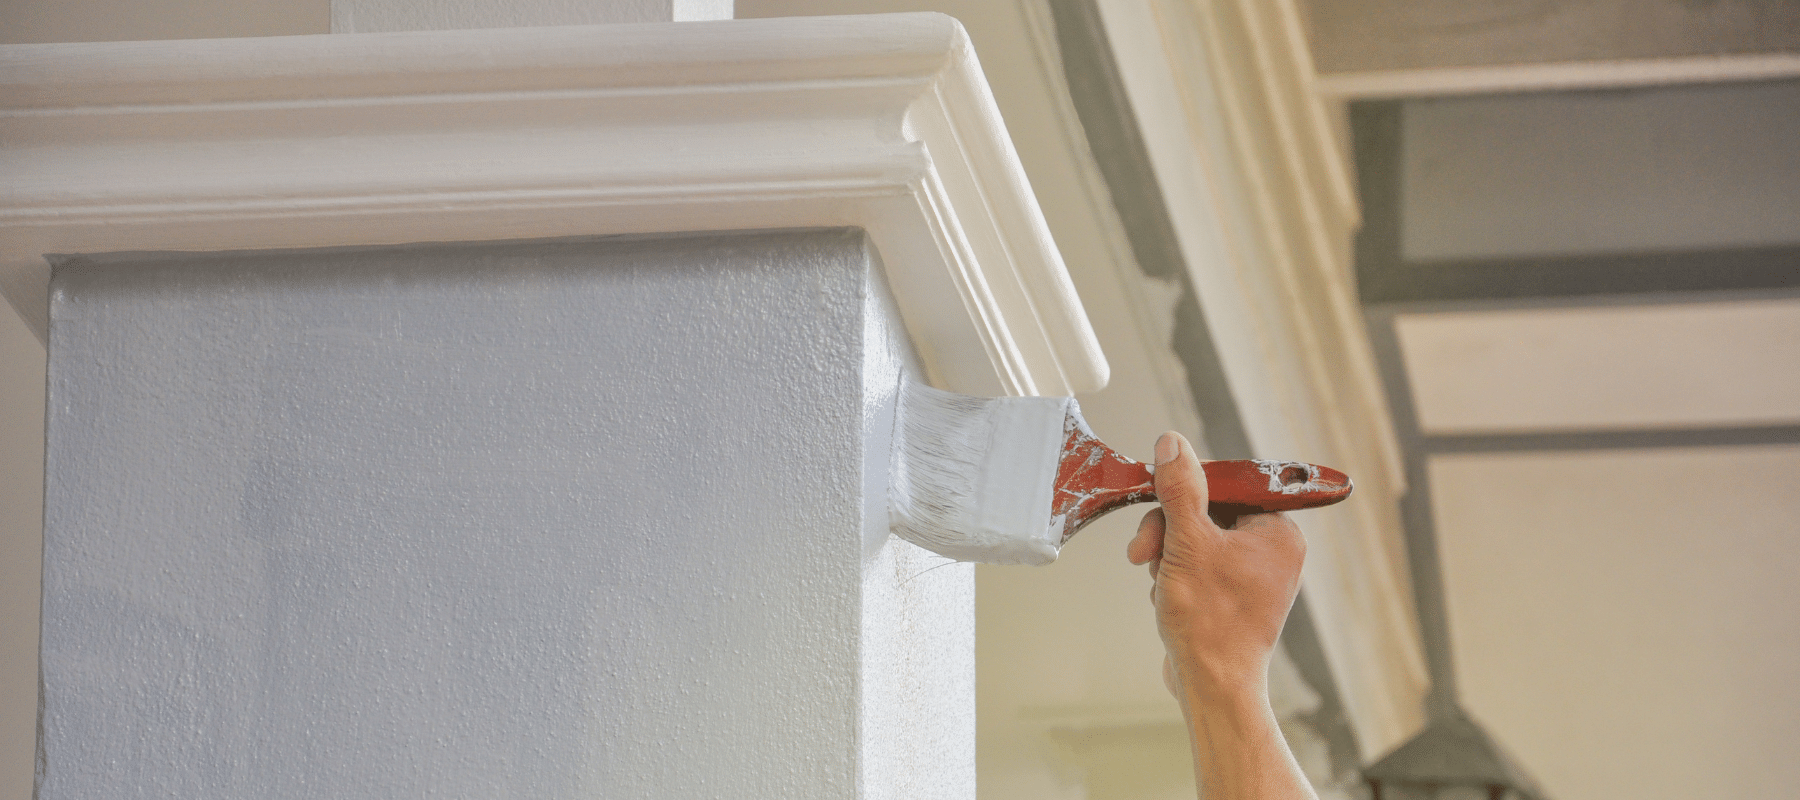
(1239, 753)
(1221, 597)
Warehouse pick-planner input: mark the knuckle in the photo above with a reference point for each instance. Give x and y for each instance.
(1181, 499)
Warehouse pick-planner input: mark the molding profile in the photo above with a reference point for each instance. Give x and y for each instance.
(880, 122)
(1261, 199)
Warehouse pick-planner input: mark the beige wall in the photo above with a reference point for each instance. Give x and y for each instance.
(21, 542)
(1621, 620)
(24, 21)
(1625, 621)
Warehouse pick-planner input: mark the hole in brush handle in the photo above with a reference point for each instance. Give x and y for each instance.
(1259, 486)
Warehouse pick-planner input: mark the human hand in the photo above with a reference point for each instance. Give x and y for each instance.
(1221, 594)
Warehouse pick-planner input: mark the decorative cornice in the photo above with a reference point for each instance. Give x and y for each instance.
(882, 122)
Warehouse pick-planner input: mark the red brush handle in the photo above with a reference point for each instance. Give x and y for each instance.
(1093, 479)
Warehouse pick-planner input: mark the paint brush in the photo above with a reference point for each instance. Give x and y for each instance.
(1008, 480)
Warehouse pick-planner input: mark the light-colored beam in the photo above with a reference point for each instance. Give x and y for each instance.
(1563, 76)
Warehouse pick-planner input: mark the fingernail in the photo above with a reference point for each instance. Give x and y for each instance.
(1168, 448)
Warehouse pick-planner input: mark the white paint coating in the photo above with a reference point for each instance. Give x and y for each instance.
(915, 657)
(974, 477)
(571, 519)
(368, 16)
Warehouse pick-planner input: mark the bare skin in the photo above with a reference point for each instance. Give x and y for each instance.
(1221, 598)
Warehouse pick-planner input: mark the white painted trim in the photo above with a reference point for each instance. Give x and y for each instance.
(1621, 74)
(1251, 178)
(883, 122)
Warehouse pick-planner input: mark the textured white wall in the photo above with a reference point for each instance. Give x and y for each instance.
(590, 519)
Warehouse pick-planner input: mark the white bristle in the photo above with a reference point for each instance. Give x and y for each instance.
(972, 476)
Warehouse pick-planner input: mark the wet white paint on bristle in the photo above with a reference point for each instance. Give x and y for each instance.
(973, 476)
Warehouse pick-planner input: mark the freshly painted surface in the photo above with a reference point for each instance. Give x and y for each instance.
(918, 631)
(1654, 366)
(885, 123)
(569, 519)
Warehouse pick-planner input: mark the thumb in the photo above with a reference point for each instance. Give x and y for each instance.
(1180, 483)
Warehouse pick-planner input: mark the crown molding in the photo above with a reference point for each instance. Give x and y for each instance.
(1260, 195)
(879, 122)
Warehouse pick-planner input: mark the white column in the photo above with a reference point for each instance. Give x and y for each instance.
(578, 519)
(369, 16)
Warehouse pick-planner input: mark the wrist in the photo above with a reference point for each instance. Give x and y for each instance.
(1224, 683)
